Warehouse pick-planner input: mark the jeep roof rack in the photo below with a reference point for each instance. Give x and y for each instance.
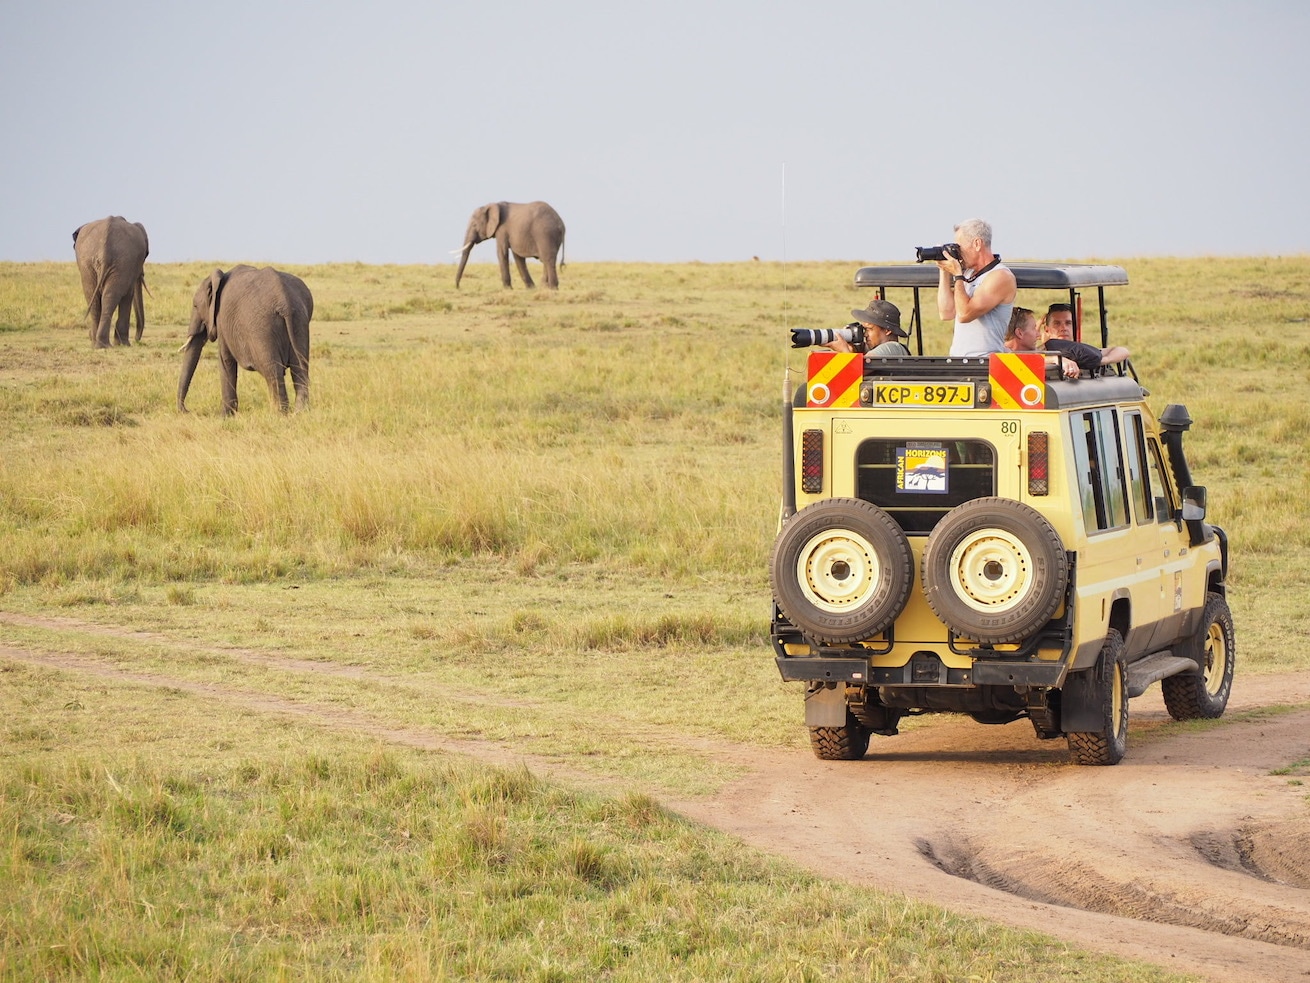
(1029, 276)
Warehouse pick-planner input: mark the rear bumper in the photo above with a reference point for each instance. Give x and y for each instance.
(921, 671)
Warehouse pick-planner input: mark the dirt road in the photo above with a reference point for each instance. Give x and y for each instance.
(1190, 853)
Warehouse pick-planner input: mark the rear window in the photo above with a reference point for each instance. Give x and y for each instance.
(918, 481)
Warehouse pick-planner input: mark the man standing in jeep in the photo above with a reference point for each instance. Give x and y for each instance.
(977, 291)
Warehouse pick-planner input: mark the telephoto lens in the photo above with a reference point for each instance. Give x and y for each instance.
(805, 337)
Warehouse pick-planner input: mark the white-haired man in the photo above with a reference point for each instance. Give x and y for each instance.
(977, 291)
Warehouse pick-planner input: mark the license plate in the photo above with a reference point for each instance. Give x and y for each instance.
(923, 394)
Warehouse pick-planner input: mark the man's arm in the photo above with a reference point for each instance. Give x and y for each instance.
(999, 288)
(945, 295)
(1115, 353)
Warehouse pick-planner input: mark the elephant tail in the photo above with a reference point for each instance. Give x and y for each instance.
(561, 250)
(289, 324)
(139, 305)
(100, 289)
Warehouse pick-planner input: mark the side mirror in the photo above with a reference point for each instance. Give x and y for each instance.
(1194, 515)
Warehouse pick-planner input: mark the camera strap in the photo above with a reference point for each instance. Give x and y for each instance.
(995, 260)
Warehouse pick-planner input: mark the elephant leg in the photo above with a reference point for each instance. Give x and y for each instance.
(227, 370)
(522, 264)
(548, 266)
(502, 254)
(276, 377)
(105, 323)
(123, 329)
(93, 309)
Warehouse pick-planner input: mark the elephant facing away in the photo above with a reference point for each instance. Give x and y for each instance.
(111, 257)
(260, 319)
(533, 230)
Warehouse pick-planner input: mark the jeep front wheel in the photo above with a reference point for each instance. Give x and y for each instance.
(1109, 742)
(841, 570)
(994, 570)
(1204, 694)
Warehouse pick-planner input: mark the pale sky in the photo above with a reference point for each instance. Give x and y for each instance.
(670, 131)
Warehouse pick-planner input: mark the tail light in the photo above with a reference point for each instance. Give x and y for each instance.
(1039, 482)
(812, 461)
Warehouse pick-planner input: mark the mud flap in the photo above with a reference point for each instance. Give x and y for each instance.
(826, 707)
(1080, 703)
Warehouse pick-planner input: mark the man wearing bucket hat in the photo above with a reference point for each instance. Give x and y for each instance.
(882, 329)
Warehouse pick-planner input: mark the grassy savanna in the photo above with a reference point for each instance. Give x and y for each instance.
(536, 521)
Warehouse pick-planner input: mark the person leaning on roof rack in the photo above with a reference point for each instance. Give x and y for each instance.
(1075, 357)
(1057, 322)
(977, 291)
(1021, 336)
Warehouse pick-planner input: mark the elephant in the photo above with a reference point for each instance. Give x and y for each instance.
(533, 230)
(111, 257)
(260, 319)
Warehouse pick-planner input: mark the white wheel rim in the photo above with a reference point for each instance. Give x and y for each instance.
(991, 571)
(838, 570)
(1216, 659)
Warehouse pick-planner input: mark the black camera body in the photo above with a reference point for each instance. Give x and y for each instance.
(853, 334)
(930, 254)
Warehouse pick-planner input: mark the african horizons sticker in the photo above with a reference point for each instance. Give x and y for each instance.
(921, 468)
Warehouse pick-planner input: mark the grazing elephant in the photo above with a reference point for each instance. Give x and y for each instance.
(260, 319)
(533, 230)
(111, 257)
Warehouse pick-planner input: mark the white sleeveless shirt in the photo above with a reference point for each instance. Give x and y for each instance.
(984, 334)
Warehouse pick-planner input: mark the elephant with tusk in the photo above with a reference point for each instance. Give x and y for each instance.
(111, 258)
(533, 230)
(260, 319)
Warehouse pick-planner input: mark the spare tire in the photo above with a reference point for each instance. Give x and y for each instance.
(994, 570)
(841, 570)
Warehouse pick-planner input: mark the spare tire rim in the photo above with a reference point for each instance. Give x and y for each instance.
(991, 570)
(838, 570)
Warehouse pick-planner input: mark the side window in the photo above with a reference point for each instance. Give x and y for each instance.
(1139, 479)
(1098, 457)
(918, 482)
(1165, 505)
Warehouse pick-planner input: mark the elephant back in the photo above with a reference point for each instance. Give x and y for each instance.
(249, 291)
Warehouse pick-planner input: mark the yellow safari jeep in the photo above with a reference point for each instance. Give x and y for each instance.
(983, 536)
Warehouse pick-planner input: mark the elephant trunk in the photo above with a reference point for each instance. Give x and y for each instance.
(463, 259)
(190, 359)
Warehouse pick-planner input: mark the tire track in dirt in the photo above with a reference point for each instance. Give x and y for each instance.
(492, 752)
(1189, 853)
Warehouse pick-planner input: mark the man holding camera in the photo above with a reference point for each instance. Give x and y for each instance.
(882, 328)
(876, 332)
(976, 290)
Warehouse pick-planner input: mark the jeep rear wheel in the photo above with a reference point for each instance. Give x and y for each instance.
(847, 743)
(1204, 694)
(1109, 742)
(841, 570)
(994, 570)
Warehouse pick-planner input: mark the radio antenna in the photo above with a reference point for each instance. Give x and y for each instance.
(785, 312)
(788, 506)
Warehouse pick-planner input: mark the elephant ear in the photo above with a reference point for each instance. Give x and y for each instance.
(495, 212)
(215, 285)
(144, 238)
